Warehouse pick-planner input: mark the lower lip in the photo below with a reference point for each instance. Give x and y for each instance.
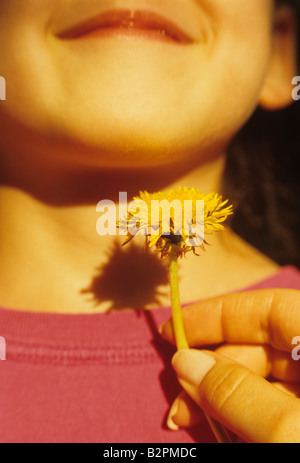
(140, 33)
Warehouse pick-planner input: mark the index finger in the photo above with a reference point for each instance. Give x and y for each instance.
(267, 316)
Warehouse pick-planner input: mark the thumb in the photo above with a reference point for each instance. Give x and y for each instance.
(239, 399)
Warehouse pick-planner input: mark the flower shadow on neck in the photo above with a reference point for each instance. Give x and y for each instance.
(130, 279)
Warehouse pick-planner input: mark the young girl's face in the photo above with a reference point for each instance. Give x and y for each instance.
(132, 98)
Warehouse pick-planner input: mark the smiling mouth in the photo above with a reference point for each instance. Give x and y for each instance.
(141, 24)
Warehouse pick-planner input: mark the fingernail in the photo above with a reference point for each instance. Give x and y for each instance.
(165, 325)
(192, 365)
(173, 412)
(161, 328)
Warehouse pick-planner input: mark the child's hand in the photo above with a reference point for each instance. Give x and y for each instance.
(257, 331)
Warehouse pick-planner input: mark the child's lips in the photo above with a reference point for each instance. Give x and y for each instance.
(141, 23)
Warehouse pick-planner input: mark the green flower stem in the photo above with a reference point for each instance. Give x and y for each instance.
(219, 431)
(180, 337)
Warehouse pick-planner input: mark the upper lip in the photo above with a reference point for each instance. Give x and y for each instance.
(139, 19)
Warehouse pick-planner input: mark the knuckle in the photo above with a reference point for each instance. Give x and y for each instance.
(224, 386)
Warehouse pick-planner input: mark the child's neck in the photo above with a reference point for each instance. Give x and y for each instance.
(53, 260)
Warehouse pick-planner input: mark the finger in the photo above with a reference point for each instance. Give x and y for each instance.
(270, 316)
(184, 413)
(263, 360)
(292, 389)
(256, 358)
(284, 367)
(241, 400)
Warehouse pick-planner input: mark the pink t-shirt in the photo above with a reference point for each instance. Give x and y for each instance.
(94, 378)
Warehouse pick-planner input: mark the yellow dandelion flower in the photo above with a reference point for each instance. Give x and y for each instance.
(175, 221)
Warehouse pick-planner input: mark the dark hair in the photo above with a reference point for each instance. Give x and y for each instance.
(262, 180)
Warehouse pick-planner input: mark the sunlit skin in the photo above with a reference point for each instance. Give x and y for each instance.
(86, 119)
(120, 102)
(130, 98)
